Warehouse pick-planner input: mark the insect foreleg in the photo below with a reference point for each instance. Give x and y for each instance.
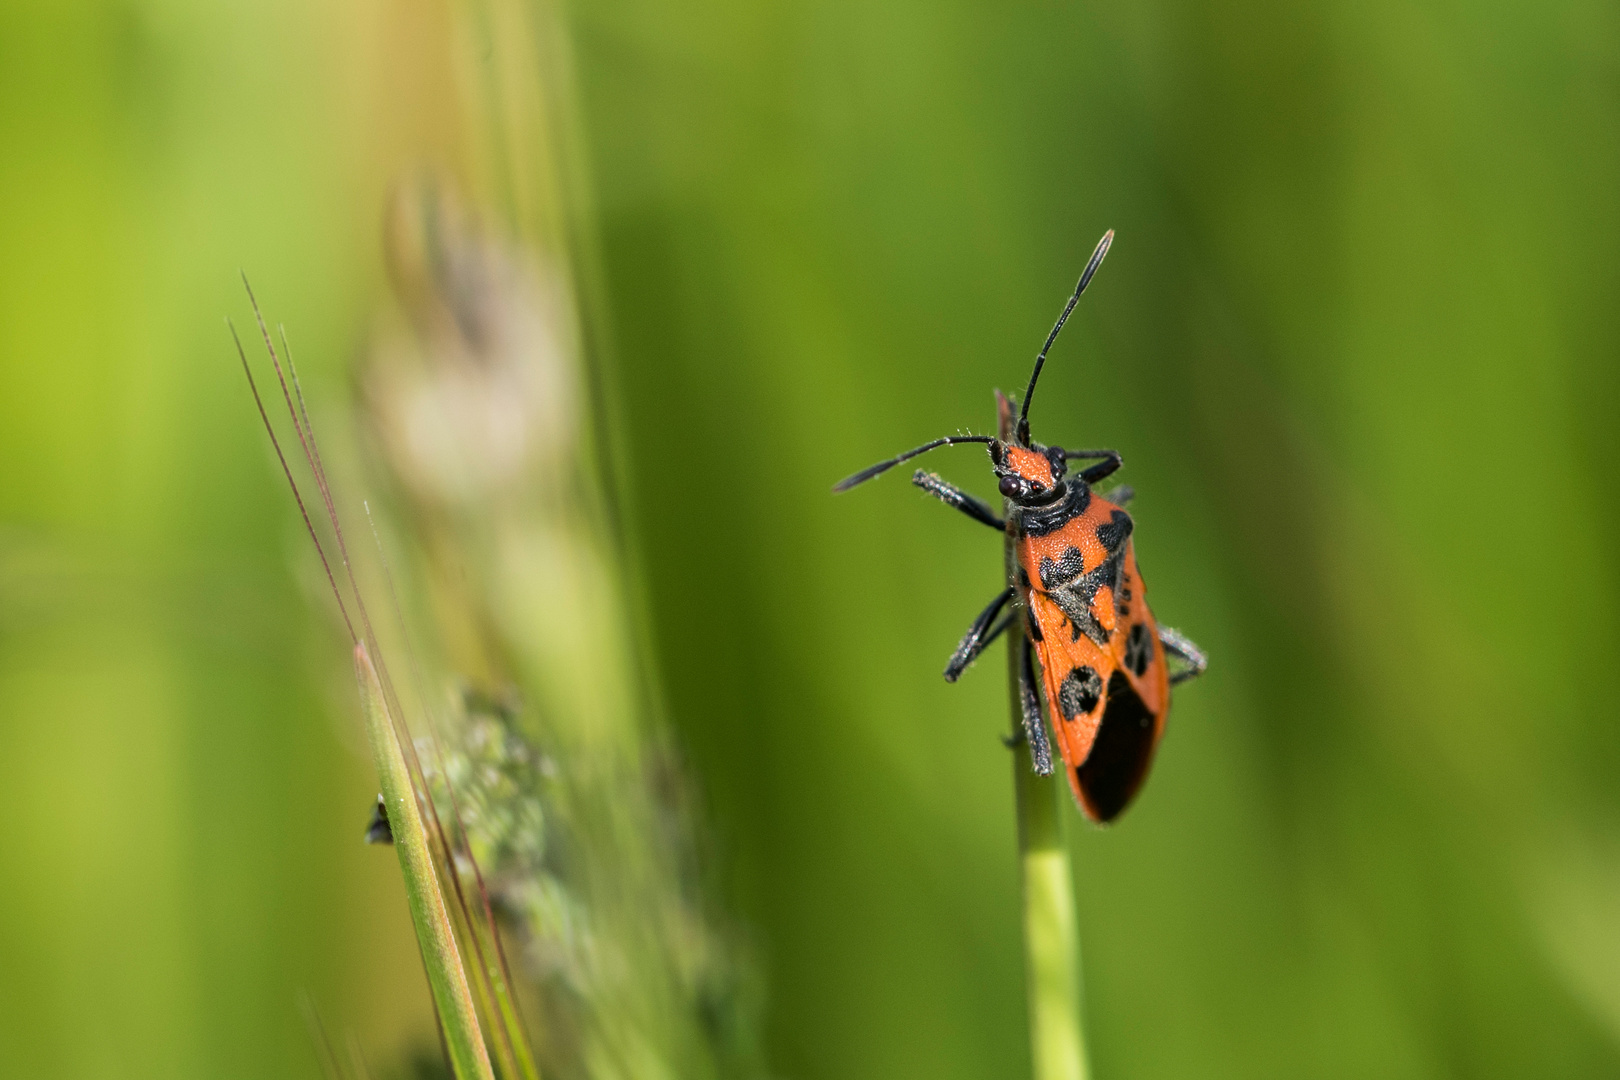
(978, 635)
(1182, 648)
(951, 495)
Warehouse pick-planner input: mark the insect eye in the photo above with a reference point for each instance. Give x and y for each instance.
(1013, 487)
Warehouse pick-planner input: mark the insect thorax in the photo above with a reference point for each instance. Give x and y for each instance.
(1072, 501)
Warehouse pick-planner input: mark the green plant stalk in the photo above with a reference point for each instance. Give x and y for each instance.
(1051, 932)
(512, 1052)
(465, 927)
(1051, 939)
(452, 996)
(523, 1066)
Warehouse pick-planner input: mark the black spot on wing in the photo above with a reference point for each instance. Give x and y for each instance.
(1113, 533)
(1139, 649)
(1055, 572)
(1080, 692)
(1119, 758)
(1077, 598)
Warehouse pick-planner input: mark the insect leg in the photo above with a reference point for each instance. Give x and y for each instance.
(1034, 730)
(1182, 648)
(951, 495)
(1106, 467)
(978, 635)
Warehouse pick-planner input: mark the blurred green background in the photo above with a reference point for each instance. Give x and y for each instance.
(1357, 341)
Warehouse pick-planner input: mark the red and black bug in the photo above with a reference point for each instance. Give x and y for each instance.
(1103, 658)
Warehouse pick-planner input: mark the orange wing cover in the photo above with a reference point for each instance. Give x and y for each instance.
(1106, 681)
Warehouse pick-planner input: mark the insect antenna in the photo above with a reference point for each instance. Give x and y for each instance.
(884, 466)
(1040, 361)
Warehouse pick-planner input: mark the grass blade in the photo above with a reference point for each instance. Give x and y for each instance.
(1051, 938)
(452, 995)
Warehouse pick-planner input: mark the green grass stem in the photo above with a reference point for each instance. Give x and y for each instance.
(1051, 937)
(452, 994)
(1051, 932)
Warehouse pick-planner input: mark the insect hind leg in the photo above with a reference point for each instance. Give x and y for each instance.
(1182, 648)
(1029, 701)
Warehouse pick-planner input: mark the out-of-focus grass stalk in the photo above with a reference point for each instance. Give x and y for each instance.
(571, 797)
(1051, 934)
(425, 866)
(485, 977)
(558, 811)
(330, 1068)
(512, 1049)
(452, 996)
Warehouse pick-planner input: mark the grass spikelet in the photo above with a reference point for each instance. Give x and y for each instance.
(446, 922)
(556, 765)
(549, 805)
